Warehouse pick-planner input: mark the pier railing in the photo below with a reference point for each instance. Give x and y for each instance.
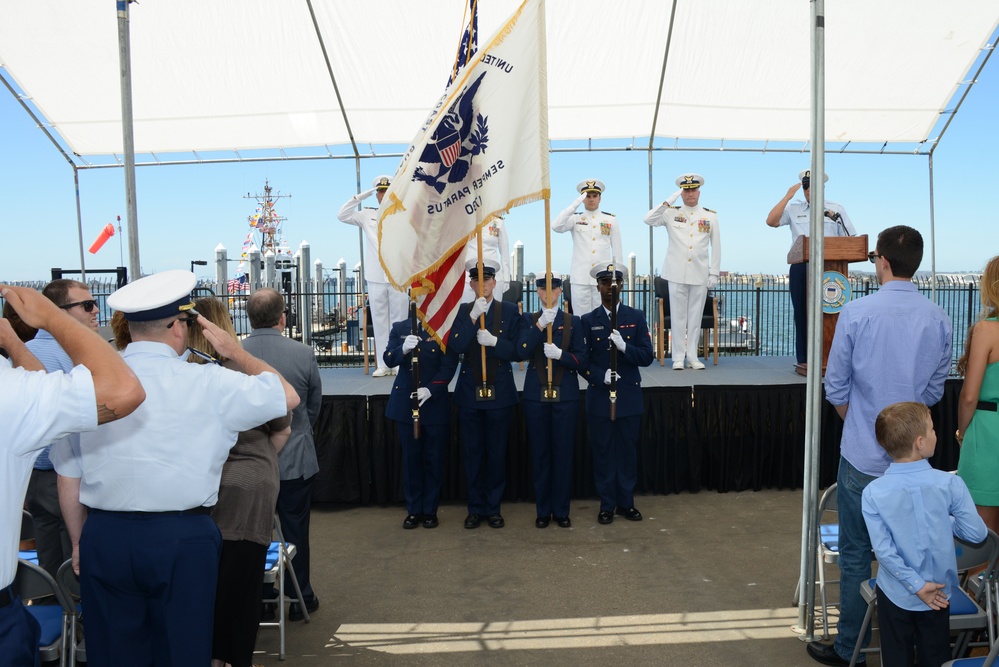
(755, 316)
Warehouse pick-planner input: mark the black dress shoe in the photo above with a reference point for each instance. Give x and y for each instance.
(563, 521)
(605, 516)
(430, 521)
(827, 655)
(295, 612)
(412, 521)
(496, 521)
(631, 514)
(542, 521)
(473, 521)
(269, 612)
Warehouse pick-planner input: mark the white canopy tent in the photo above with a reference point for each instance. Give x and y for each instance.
(232, 76)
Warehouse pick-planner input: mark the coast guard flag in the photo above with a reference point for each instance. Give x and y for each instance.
(482, 150)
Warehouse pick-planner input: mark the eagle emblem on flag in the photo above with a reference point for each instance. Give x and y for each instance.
(460, 135)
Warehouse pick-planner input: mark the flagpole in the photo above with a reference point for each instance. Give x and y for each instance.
(548, 278)
(482, 317)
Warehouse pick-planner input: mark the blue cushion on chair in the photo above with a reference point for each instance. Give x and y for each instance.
(960, 603)
(272, 556)
(29, 555)
(829, 536)
(50, 618)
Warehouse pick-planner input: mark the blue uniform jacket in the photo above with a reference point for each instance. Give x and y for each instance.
(638, 352)
(573, 358)
(436, 370)
(463, 341)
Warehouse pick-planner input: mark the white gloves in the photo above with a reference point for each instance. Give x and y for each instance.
(422, 394)
(712, 281)
(547, 317)
(410, 343)
(479, 306)
(673, 197)
(553, 351)
(579, 200)
(615, 337)
(364, 195)
(609, 374)
(485, 338)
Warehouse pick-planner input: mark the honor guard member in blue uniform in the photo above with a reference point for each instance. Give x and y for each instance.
(422, 456)
(36, 408)
(149, 552)
(615, 441)
(692, 231)
(485, 404)
(795, 215)
(551, 419)
(596, 241)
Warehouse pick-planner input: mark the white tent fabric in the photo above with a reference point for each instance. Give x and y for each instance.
(245, 74)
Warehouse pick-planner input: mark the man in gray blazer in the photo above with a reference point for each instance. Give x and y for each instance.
(297, 363)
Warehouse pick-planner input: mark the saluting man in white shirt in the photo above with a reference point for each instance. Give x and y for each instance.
(691, 265)
(596, 241)
(387, 304)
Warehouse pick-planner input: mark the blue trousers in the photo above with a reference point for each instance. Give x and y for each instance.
(422, 463)
(551, 433)
(615, 459)
(147, 584)
(19, 635)
(294, 510)
(797, 279)
(484, 435)
(854, 557)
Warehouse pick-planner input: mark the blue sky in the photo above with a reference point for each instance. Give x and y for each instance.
(184, 212)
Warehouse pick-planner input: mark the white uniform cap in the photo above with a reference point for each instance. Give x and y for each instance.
(591, 185)
(542, 280)
(808, 172)
(604, 270)
(689, 181)
(489, 268)
(382, 182)
(155, 297)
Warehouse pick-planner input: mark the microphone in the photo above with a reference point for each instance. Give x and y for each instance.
(838, 219)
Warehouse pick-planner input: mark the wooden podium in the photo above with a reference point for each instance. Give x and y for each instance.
(839, 251)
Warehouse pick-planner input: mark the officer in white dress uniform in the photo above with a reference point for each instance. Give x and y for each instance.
(795, 215)
(388, 305)
(596, 240)
(689, 266)
(149, 549)
(495, 247)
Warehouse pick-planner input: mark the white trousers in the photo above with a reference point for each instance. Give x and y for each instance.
(686, 305)
(388, 306)
(584, 298)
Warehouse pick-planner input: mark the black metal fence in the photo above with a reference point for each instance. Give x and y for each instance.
(755, 316)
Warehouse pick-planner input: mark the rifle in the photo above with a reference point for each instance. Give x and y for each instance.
(613, 354)
(414, 366)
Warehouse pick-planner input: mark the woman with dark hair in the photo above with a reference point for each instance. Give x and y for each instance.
(977, 415)
(244, 513)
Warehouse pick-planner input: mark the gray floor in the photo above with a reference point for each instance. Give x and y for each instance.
(705, 579)
(743, 370)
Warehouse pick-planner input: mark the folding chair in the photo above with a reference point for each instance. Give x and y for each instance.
(69, 583)
(279, 557)
(31, 583)
(709, 321)
(965, 614)
(987, 661)
(827, 553)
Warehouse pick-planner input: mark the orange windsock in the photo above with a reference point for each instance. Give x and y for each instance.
(102, 238)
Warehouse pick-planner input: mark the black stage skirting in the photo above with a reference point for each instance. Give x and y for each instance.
(715, 437)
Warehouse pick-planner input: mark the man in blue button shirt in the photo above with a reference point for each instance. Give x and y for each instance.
(891, 346)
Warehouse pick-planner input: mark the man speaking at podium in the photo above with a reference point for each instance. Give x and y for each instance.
(795, 214)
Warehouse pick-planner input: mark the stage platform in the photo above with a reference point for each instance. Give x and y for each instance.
(737, 426)
(742, 370)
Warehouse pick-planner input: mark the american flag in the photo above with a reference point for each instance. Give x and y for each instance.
(469, 43)
(237, 284)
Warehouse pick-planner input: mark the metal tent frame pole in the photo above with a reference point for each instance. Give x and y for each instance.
(128, 138)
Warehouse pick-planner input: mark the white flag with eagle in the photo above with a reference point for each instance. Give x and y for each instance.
(482, 150)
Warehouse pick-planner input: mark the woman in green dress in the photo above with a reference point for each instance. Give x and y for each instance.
(977, 413)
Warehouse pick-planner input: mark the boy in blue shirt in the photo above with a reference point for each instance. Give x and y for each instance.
(913, 513)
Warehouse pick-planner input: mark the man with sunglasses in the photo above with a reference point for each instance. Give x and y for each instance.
(148, 557)
(891, 346)
(42, 500)
(795, 214)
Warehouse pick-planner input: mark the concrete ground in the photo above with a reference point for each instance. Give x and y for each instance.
(705, 579)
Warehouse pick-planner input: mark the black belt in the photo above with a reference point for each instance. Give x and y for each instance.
(194, 511)
(5, 597)
(990, 406)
